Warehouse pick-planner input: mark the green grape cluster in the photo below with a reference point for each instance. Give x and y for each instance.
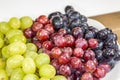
(19, 59)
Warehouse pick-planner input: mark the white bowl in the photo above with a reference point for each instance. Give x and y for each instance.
(114, 74)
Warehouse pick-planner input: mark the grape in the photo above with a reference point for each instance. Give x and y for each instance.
(13, 32)
(18, 37)
(1, 35)
(14, 23)
(31, 54)
(1, 42)
(41, 59)
(4, 27)
(5, 52)
(15, 61)
(47, 71)
(17, 48)
(31, 47)
(2, 63)
(3, 75)
(17, 74)
(26, 22)
(59, 77)
(28, 66)
(31, 77)
(44, 78)
(9, 71)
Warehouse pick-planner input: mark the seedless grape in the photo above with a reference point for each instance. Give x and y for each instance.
(28, 66)
(31, 77)
(17, 74)
(15, 61)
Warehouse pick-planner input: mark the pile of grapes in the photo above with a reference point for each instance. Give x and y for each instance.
(57, 47)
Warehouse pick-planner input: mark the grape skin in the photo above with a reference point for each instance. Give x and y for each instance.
(47, 71)
(41, 59)
(28, 66)
(17, 74)
(31, 77)
(4, 27)
(3, 75)
(14, 23)
(15, 61)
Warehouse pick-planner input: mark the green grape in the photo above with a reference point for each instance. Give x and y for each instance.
(5, 52)
(47, 71)
(26, 22)
(28, 66)
(13, 32)
(1, 35)
(42, 59)
(59, 77)
(9, 70)
(4, 27)
(14, 23)
(15, 61)
(17, 74)
(31, 77)
(44, 78)
(31, 47)
(1, 42)
(3, 75)
(2, 63)
(30, 54)
(16, 38)
(17, 48)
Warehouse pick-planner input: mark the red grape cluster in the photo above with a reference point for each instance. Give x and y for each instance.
(75, 48)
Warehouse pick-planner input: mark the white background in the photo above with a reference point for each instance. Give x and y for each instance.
(33, 8)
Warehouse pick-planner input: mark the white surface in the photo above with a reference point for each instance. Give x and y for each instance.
(114, 74)
(34, 8)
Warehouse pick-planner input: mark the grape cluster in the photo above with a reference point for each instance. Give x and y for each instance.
(57, 47)
(19, 59)
(77, 50)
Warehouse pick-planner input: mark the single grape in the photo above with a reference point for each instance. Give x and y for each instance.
(4, 27)
(59, 77)
(3, 75)
(18, 37)
(44, 78)
(87, 76)
(41, 59)
(26, 22)
(31, 47)
(31, 77)
(28, 66)
(14, 23)
(17, 48)
(17, 74)
(5, 52)
(31, 54)
(15, 61)
(47, 71)
(2, 63)
(1, 42)
(13, 32)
